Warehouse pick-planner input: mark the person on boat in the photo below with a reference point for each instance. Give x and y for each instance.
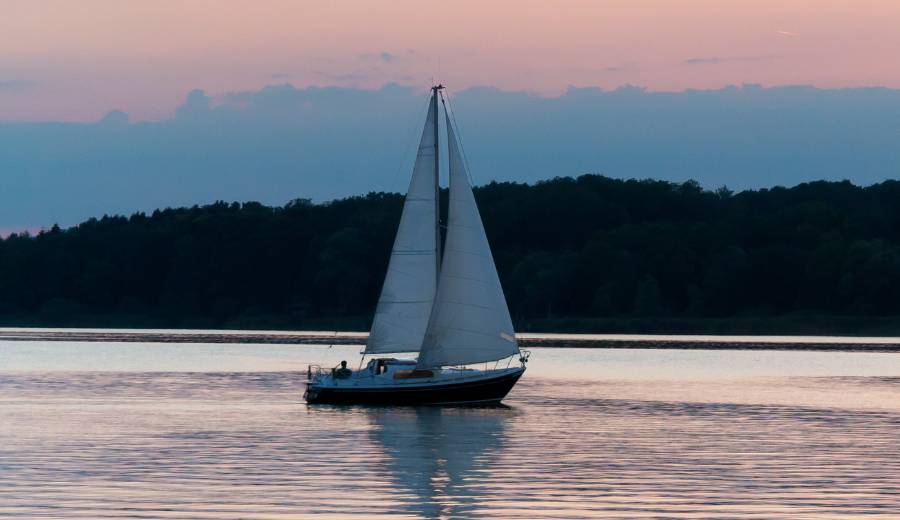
(343, 372)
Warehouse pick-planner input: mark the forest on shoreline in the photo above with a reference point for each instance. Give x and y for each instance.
(586, 254)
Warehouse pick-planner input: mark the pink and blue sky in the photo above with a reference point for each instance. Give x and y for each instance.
(110, 106)
(76, 60)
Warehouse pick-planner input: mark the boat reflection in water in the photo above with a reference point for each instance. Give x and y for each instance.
(438, 458)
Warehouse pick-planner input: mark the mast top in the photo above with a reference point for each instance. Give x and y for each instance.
(437, 87)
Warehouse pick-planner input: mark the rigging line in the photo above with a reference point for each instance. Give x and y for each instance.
(458, 134)
(409, 144)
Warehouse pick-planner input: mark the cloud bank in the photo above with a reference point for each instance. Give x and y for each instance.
(281, 143)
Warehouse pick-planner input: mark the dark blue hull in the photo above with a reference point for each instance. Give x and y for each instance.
(482, 391)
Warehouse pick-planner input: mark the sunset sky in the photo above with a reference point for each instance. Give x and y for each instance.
(75, 61)
(110, 106)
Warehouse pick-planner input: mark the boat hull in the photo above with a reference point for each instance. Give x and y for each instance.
(482, 391)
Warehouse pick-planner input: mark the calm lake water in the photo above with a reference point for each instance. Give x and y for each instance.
(142, 430)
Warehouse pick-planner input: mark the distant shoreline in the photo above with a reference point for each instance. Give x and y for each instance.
(526, 340)
(586, 254)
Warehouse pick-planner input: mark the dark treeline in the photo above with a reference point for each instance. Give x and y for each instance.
(590, 253)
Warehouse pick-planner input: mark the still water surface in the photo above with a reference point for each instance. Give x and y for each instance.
(134, 430)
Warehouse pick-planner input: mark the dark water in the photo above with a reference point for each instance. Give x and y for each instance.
(136, 430)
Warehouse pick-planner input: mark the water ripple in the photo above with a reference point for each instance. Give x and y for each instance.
(242, 445)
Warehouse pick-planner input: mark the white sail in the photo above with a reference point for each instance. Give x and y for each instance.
(470, 321)
(407, 295)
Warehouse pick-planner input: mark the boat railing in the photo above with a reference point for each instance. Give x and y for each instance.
(314, 372)
(524, 354)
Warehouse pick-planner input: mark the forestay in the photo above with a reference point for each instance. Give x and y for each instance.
(407, 295)
(470, 321)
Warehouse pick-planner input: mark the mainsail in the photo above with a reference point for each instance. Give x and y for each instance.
(470, 321)
(407, 295)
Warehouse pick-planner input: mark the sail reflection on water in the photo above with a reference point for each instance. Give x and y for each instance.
(439, 458)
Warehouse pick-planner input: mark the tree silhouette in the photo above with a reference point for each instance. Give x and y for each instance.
(586, 253)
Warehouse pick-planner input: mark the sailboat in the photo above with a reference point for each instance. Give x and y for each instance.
(447, 307)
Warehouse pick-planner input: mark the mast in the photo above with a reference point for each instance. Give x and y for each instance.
(437, 184)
